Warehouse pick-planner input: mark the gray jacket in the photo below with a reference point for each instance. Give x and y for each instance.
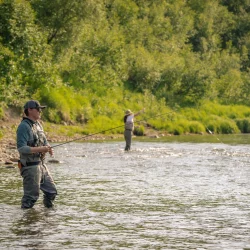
(30, 134)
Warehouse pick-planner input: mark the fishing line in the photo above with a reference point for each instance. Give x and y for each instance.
(206, 127)
(83, 137)
(238, 164)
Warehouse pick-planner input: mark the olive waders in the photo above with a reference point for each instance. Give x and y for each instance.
(128, 132)
(37, 177)
(32, 168)
(128, 138)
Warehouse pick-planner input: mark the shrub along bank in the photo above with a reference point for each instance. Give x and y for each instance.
(108, 120)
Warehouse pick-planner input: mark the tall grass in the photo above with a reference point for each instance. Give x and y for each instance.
(243, 125)
(105, 113)
(64, 105)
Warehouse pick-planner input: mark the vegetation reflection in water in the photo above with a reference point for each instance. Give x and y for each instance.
(160, 195)
(232, 139)
(207, 138)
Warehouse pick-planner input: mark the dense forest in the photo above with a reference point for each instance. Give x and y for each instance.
(90, 60)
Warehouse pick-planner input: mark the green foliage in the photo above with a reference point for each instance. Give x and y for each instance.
(233, 111)
(213, 117)
(60, 19)
(196, 127)
(180, 126)
(24, 52)
(178, 130)
(64, 104)
(122, 11)
(91, 60)
(139, 130)
(104, 125)
(222, 126)
(61, 130)
(243, 125)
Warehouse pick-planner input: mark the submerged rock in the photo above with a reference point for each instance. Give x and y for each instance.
(54, 161)
(9, 166)
(8, 162)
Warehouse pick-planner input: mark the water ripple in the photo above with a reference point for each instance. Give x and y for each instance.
(158, 196)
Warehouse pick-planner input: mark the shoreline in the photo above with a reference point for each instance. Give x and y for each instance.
(9, 154)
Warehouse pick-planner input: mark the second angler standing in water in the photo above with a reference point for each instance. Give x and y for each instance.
(129, 127)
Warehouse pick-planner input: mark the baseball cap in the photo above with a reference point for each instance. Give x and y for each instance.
(33, 104)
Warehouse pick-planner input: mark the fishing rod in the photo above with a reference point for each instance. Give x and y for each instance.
(85, 136)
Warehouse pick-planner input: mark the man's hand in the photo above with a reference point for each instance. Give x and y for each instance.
(48, 149)
(51, 151)
(43, 150)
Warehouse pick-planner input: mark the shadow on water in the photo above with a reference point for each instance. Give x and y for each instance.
(32, 228)
(30, 224)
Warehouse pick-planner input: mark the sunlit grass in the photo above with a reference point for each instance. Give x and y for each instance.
(105, 114)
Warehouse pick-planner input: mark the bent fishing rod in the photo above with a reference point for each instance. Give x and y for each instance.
(85, 136)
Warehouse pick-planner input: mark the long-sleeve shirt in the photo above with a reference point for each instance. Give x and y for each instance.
(129, 122)
(29, 134)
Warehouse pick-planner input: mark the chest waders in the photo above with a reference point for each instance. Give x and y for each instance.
(128, 132)
(35, 174)
(128, 138)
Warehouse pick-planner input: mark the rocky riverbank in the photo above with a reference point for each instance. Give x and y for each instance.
(9, 154)
(8, 151)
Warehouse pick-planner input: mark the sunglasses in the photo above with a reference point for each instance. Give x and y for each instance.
(38, 109)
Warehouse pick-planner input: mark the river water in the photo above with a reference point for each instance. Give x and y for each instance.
(161, 195)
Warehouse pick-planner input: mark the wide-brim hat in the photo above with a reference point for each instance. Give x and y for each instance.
(33, 104)
(128, 112)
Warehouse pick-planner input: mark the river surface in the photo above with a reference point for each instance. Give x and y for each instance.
(161, 195)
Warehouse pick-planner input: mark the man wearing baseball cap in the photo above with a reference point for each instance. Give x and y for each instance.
(32, 104)
(32, 146)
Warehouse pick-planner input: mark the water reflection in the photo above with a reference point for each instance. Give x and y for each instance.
(33, 227)
(30, 223)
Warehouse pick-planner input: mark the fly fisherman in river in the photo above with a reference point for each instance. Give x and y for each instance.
(129, 127)
(32, 146)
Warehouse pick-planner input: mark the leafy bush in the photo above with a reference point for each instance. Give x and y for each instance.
(222, 126)
(196, 127)
(62, 130)
(104, 125)
(178, 130)
(53, 116)
(139, 130)
(243, 125)
(181, 126)
(228, 127)
(227, 111)
(64, 104)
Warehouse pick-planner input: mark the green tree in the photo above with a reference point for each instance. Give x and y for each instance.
(212, 24)
(28, 57)
(62, 20)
